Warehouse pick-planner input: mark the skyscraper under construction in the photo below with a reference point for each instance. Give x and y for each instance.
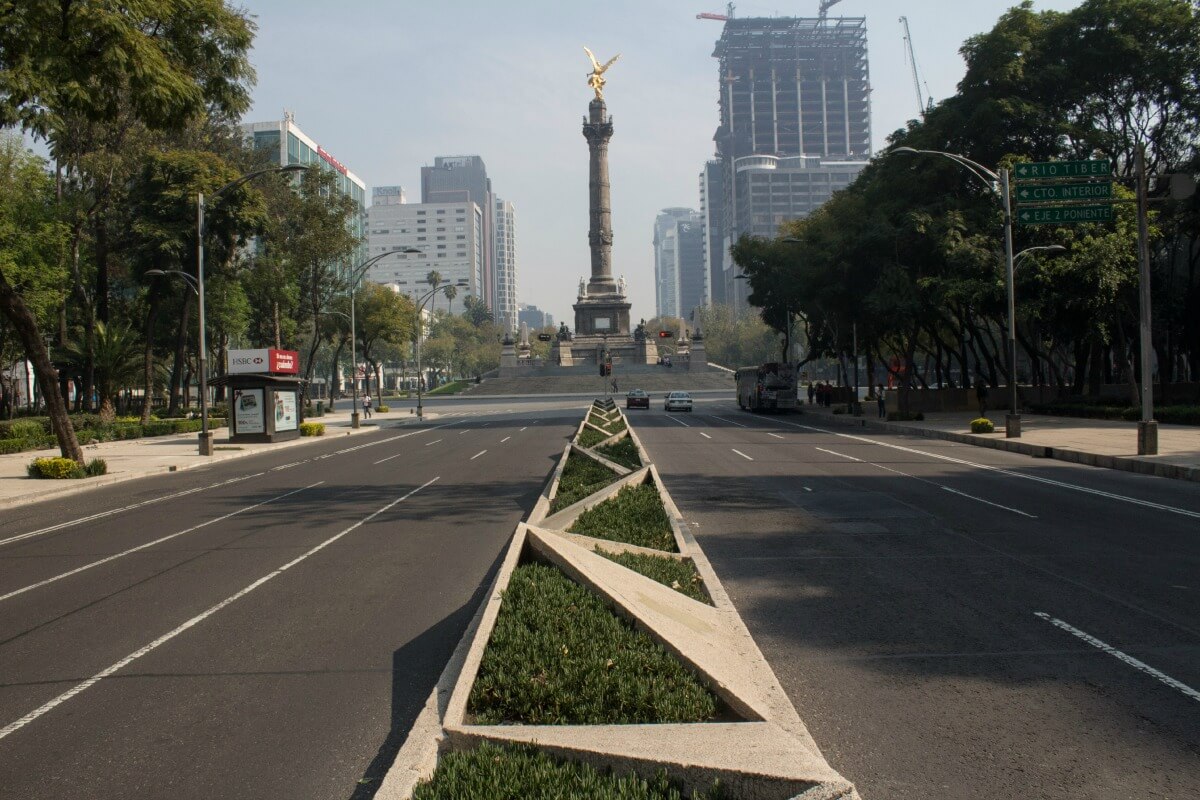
(795, 121)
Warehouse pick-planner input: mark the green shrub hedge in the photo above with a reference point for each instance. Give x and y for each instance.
(590, 437)
(312, 429)
(982, 425)
(519, 771)
(559, 656)
(635, 516)
(1173, 414)
(580, 477)
(57, 468)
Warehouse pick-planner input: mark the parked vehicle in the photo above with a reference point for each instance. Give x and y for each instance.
(637, 398)
(678, 401)
(770, 387)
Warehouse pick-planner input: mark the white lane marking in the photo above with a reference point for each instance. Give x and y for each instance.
(167, 538)
(731, 422)
(505, 439)
(988, 502)
(389, 458)
(1010, 473)
(287, 466)
(705, 435)
(776, 435)
(743, 455)
(1141, 666)
(468, 430)
(523, 429)
(435, 441)
(15, 726)
(840, 455)
(131, 507)
(807, 489)
(954, 491)
(681, 422)
(477, 455)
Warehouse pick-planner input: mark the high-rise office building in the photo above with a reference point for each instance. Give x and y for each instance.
(287, 144)
(460, 179)
(795, 121)
(505, 241)
(534, 317)
(448, 238)
(680, 279)
(712, 197)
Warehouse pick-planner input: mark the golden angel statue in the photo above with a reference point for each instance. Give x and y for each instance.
(596, 76)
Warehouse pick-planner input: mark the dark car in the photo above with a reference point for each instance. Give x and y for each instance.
(637, 399)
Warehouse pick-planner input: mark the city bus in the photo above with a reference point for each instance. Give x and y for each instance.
(769, 387)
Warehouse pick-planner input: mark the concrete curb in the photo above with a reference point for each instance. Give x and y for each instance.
(768, 754)
(1142, 466)
(66, 488)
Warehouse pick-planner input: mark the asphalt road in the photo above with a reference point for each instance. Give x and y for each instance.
(954, 622)
(266, 627)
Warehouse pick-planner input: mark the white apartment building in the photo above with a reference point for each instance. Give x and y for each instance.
(505, 262)
(448, 236)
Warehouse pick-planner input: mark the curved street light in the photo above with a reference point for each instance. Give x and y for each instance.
(420, 307)
(357, 274)
(206, 442)
(997, 183)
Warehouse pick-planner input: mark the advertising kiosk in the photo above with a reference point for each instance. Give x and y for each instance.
(264, 395)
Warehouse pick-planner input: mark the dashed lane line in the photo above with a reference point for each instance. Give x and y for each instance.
(743, 455)
(505, 439)
(1141, 666)
(681, 422)
(705, 435)
(776, 435)
(435, 441)
(16, 725)
(139, 548)
(477, 455)
(839, 455)
(101, 515)
(731, 422)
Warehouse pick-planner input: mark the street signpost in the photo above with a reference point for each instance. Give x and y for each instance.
(1076, 185)
(1064, 191)
(1064, 215)
(1057, 170)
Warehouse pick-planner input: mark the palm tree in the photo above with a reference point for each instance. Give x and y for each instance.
(117, 356)
(450, 293)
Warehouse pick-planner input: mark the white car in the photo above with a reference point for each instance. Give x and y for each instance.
(678, 401)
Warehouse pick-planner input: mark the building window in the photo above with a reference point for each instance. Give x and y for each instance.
(420, 213)
(440, 238)
(422, 238)
(420, 230)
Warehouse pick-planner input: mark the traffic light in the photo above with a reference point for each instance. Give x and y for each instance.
(544, 337)
(665, 334)
(608, 369)
(603, 370)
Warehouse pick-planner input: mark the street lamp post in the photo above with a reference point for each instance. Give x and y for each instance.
(206, 437)
(997, 183)
(420, 306)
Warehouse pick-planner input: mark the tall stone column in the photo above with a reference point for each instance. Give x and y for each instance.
(598, 129)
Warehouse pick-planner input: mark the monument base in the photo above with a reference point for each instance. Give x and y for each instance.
(604, 314)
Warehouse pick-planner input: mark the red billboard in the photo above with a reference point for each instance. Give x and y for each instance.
(285, 361)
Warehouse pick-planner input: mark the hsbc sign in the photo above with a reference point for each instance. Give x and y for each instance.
(263, 361)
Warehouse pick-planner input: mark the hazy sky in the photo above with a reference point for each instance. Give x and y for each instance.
(386, 85)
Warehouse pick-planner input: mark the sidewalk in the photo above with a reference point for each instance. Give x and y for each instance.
(1096, 443)
(138, 458)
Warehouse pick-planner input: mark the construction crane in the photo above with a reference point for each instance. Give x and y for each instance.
(825, 5)
(912, 60)
(728, 15)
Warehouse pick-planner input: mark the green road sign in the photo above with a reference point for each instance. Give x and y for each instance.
(1064, 191)
(1064, 215)
(1051, 170)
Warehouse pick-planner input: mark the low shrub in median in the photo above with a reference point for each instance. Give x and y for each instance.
(1173, 414)
(524, 772)
(580, 477)
(312, 429)
(679, 575)
(982, 425)
(635, 516)
(383, 409)
(559, 656)
(590, 437)
(623, 452)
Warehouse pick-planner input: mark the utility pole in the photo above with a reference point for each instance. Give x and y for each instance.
(1147, 438)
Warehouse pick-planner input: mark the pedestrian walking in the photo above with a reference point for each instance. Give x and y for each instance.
(367, 406)
(812, 392)
(614, 386)
(981, 394)
(882, 401)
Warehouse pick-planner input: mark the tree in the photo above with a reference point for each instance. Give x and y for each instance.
(155, 64)
(476, 312)
(385, 319)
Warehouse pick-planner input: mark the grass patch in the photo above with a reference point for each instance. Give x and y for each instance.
(623, 452)
(590, 437)
(635, 516)
(580, 477)
(520, 771)
(679, 575)
(453, 387)
(559, 656)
